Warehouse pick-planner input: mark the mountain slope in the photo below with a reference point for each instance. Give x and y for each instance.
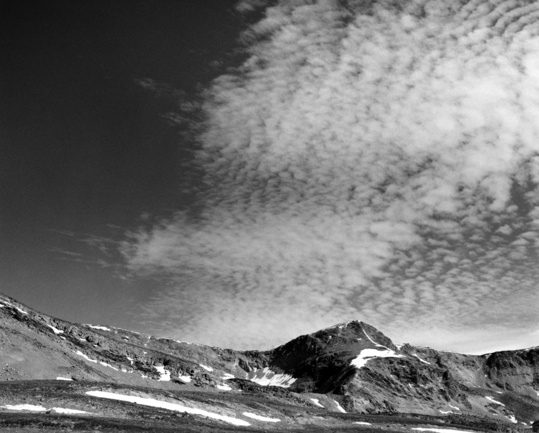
(368, 373)
(351, 367)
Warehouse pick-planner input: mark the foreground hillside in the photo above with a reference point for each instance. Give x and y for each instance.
(60, 376)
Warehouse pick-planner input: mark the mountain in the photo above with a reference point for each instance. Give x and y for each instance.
(349, 375)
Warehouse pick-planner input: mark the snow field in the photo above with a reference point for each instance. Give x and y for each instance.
(266, 377)
(36, 408)
(166, 405)
(367, 354)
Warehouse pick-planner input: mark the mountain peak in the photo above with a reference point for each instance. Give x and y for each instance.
(357, 331)
(316, 359)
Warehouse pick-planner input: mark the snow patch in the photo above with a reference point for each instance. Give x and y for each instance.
(126, 330)
(422, 360)
(260, 418)
(494, 401)
(367, 354)
(339, 407)
(317, 402)
(185, 379)
(372, 341)
(64, 378)
(107, 365)
(512, 419)
(224, 387)
(453, 407)
(165, 374)
(104, 364)
(103, 328)
(168, 406)
(68, 411)
(29, 407)
(78, 352)
(362, 423)
(205, 367)
(445, 412)
(266, 377)
(55, 330)
(228, 376)
(21, 311)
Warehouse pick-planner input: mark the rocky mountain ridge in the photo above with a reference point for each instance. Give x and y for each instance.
(348, 368)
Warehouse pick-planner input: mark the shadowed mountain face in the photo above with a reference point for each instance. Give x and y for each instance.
(351, 367)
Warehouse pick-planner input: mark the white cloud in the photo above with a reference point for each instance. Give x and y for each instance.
(365, 162)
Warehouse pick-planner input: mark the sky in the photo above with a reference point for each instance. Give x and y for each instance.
(238, 173)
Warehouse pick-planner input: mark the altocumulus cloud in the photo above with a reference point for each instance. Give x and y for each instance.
(369, 160)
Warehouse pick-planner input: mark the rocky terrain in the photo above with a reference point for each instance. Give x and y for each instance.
(61, 376)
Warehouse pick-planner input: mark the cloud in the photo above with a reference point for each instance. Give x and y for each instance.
(369, 160)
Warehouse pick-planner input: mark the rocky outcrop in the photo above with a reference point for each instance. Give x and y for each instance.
(514, 370)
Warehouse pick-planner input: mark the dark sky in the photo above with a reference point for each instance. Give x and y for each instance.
(85, 148)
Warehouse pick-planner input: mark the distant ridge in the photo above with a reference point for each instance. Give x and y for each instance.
(351, 367)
